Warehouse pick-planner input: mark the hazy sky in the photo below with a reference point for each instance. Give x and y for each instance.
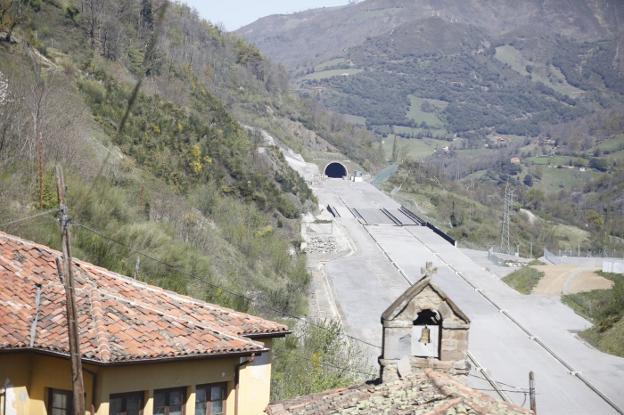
(237, 13)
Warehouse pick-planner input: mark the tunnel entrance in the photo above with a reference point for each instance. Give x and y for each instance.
(336, 170)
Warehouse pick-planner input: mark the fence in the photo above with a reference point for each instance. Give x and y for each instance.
(607, 264)
(614, 267)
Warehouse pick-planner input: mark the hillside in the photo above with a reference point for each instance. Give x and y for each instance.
(479, 93)
(152, 112)
(314, 36)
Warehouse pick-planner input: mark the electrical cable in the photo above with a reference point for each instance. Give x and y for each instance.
(227, 290)
(27, 218)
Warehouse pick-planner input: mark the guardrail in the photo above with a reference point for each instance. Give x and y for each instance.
(442, 234)
(391, 217)
(428, 224)
(412, 216)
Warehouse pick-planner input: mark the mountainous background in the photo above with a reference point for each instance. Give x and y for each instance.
(465, 96)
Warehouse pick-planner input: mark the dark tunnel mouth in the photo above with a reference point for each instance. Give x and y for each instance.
(336, 170)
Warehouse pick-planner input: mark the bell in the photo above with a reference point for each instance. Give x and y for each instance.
(425, 336)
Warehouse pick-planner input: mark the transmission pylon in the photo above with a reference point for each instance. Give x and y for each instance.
(505, 240)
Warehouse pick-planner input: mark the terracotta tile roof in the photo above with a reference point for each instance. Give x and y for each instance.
(426, 393)
(120, 318)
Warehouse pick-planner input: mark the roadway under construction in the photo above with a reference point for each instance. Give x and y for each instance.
(510, 335)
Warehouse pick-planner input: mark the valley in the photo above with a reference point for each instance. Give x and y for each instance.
(511, 334)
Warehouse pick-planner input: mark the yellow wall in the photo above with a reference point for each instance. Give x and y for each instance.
(29, 376)
(254, 390)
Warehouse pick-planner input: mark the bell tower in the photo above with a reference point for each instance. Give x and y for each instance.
(423, 328)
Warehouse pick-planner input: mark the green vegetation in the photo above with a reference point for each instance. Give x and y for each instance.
(415, 149)
(547, 74)
(524, 279)
(318, 359)
(470, 208)
(215, 209)
(555, 179)
(331, 73)
(425, 112)
(605, 308)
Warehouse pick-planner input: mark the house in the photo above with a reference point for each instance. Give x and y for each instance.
(144, 350)
(422, 366)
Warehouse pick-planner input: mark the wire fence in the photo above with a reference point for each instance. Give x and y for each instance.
(608, 262)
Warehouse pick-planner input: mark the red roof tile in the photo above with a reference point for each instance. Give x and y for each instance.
(120, 319)
(424, 393)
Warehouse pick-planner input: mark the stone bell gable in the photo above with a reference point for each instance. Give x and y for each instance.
(423, 328)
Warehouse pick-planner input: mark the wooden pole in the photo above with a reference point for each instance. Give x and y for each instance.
(66, 272)
(532, 392)
(40, 168)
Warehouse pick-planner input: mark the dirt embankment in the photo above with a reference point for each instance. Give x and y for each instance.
(569, 279)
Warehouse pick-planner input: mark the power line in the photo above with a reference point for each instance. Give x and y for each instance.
(333, 366)
(504, 390)
(499, 382)
(227, 290)
(27, 218)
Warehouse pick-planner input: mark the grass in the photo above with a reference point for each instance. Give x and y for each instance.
(570, 237)
(355, 119)
(432, 119)
(412, 131)
(524, 279)
(554, 179)
(316, 76)
(556, 161)
(613, 144)
(605, 308)
(549, 75)
(416, 149)
(330, 64)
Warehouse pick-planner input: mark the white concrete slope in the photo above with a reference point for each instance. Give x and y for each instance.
(388, 258)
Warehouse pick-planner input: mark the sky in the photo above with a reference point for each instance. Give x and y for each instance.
(234, 14)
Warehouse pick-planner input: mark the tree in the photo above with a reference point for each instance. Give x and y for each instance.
(12, 13)
(395, 150)
(599, 164)
(528, 180)
(147, 18)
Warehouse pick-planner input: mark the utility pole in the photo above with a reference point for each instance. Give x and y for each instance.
(66, 273)
(40, 168)
(532, 392)
(505, 241)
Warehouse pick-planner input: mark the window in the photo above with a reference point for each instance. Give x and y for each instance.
(169, 401)
(126, 404)
(60, 402)
(210, 399)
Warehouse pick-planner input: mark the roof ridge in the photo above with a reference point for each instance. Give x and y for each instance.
(183, 321)
(101, 335)
(84, 264)
(98, 315)
(183, 297)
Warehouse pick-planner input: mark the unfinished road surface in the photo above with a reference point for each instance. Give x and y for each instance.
(511, 334)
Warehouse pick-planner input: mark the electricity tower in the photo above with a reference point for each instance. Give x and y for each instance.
(505, 241)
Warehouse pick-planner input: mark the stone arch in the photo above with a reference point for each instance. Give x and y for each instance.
(336, 169)
(431, 321)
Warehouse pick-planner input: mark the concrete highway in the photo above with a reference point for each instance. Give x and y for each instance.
(387, 258)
